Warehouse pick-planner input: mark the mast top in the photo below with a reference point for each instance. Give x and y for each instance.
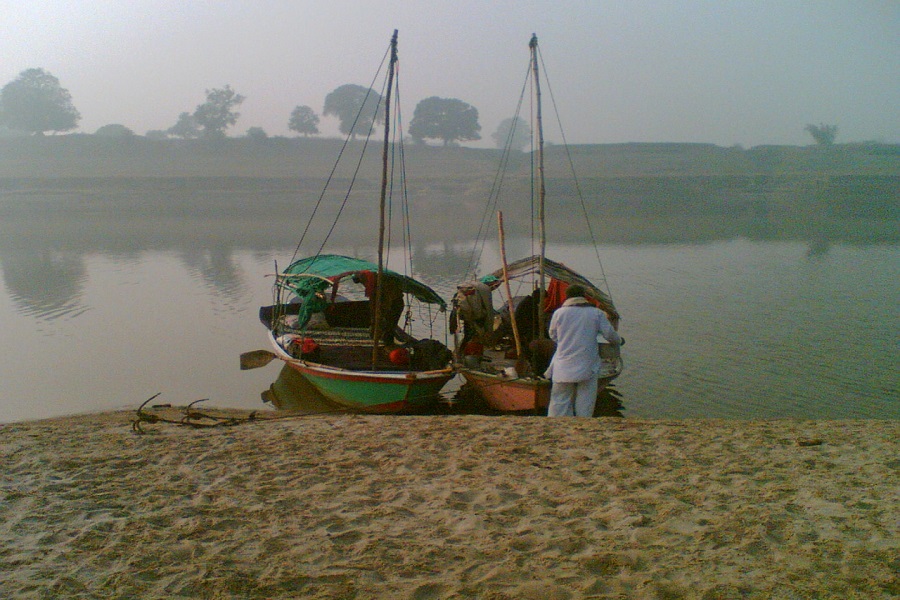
(533, 43)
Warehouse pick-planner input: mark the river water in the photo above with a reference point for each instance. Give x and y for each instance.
(101, 309)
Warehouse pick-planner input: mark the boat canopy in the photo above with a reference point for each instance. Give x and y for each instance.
(529, 267)
(307, 276)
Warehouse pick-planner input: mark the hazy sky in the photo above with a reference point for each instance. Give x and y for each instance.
(719, 71)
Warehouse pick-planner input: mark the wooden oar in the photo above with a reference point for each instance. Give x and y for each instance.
(256, 359)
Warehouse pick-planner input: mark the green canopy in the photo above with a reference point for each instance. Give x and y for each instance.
(307, 276)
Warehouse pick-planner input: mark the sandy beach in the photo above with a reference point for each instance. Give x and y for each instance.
(350, 506)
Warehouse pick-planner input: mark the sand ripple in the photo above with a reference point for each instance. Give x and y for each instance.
(450, 507)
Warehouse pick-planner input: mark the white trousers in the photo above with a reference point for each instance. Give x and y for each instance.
(568, 398)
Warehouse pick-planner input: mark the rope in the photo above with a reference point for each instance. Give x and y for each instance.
(494, 195)
(338, 161)
(574, 176)
(496, 186)
(355, 171)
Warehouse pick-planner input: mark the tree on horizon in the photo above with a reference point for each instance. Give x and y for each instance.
(257, 134)
(114, 130)
(35, 102)
(823, 134)
(358, 108)
(218, 112)
(186, 127)
(304, 120)
(513, 132)
(446, 119)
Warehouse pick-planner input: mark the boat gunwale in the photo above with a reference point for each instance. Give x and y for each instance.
(369, 375)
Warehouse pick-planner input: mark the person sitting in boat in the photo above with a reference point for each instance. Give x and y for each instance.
(473, 306)
(527, 318)
(391, 302)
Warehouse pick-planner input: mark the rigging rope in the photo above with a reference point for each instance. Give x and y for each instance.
(496, 186)
(574, 176)
(346, 143)
(495, 191)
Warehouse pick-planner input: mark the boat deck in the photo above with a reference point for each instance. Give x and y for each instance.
(496, 361)
(351, 347)
(491, 361)
(345, 347)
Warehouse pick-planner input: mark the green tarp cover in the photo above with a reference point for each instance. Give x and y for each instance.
(312, 273)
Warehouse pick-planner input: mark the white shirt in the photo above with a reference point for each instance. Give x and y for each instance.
(575, 327)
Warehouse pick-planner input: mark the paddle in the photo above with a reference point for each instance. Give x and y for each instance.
(256, 359)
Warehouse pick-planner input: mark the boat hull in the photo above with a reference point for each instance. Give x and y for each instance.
(291, 391)
(517, 395)
(369, 391)
(374, 391)
(509, 395)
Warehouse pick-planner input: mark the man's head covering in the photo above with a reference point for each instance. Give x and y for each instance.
(575, 291)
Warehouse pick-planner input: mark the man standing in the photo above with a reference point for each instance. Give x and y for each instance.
(576, 362)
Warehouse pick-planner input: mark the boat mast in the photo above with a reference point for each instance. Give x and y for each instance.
(541, 190)
(376, 326)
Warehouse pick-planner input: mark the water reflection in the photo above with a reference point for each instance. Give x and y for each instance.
(292, 392)
(44, 237)
(609, 403)
(442, 261)
(787, 320)
(818, 248)
(45, 283)
(217, 269)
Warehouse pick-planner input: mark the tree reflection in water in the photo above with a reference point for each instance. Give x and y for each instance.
(45, 283)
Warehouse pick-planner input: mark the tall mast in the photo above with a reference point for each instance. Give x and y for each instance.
(541, 190)
(376, 326)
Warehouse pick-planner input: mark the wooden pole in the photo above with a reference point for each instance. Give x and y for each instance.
(379, 278)
(542, 319)
(509, 300)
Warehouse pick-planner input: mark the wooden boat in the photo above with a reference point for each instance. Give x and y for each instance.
(331, 344)
(503, 377)
(338, 343)
(506, 367)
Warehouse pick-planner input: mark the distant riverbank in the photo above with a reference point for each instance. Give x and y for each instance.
(91, 156)
(250, 211)
(631, 193)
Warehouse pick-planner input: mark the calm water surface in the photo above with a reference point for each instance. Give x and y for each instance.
(734, 329)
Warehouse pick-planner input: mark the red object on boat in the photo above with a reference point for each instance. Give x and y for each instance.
(308, 346)
(399, 356)
(555, 296)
